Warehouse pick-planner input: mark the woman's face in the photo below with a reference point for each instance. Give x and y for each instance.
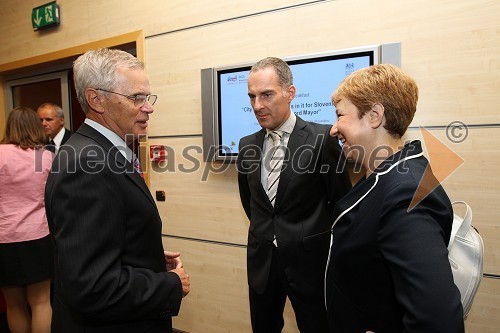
(353, 132)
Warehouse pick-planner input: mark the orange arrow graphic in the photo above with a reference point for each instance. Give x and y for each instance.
(442, 161)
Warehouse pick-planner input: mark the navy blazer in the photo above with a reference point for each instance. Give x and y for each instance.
(110, 272)
(309, 186)
(389, 268)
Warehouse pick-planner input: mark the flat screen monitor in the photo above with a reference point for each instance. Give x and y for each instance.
(228, 115)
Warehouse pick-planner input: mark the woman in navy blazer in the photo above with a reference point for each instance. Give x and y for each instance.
(388, 268)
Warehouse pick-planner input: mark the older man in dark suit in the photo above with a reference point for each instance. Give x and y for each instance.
(111, 272)
(289, 182)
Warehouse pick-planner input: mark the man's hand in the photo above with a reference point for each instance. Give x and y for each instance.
(173, 263)
(184, 280)
(172, 260)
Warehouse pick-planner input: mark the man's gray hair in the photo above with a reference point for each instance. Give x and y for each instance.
(97, 69)
(57, 108)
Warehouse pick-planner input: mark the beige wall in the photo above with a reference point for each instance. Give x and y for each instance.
(450, 47)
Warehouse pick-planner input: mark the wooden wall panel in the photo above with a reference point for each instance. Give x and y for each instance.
(197, 205)
(84, 21)
(458, 75)
(484, 315)
(218, 300)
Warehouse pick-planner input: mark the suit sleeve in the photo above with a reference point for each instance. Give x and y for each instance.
(89, 215)
(243, 181)
(414, 246)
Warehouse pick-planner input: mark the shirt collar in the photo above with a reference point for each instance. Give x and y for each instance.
(287, 126)
(59, 136)
(113, 137)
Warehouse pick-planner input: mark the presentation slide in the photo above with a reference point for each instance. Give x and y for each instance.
(315, 82)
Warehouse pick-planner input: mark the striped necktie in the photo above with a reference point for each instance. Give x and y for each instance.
(276, 161)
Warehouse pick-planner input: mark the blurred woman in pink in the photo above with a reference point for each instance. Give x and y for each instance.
(26, 261)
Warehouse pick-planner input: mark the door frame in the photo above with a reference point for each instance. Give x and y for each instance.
(133, 39)
(126, 41)
(62, 76)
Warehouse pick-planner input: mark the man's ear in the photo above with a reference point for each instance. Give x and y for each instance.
(94, 99)
(291, 92)
(376, 115)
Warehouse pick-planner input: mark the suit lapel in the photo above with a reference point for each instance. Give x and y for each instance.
(116, 157)
(136, 178)
(298, 138)
(259, 143)
(66, 136)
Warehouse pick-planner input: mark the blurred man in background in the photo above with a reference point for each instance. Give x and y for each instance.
(52, 117)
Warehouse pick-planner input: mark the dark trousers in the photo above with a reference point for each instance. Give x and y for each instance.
(266, 310)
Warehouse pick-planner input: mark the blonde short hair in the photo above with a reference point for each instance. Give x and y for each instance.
(385, 84)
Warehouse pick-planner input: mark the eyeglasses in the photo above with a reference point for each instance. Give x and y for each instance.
(139, 99)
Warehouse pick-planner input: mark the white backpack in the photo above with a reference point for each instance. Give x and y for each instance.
(465, 252)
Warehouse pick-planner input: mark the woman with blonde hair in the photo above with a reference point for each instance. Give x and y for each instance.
(388, 268)
(25, 246)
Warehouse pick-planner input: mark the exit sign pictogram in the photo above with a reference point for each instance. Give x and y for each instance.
(45, 16)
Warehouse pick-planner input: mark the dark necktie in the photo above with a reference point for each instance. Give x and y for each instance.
(51, 146)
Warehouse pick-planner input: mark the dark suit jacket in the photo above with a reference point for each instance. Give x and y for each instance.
(389, 268)
(110, 273)
(67, 135)
(309, 186)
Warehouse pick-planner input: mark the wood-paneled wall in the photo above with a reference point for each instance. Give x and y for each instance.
(450, 47)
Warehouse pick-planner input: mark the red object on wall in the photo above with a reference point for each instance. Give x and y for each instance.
(157, 153)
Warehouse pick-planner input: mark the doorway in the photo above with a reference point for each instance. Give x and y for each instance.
(61, 61)
(35, 90)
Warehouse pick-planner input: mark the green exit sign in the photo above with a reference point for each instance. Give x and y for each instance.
(45, 16)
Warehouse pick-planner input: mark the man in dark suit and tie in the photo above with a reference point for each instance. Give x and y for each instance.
(289, 182)
(111, 272)
(52, 117)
